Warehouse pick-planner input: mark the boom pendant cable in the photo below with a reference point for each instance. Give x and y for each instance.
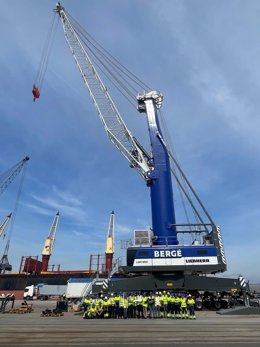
(38, 82)
(77, 27)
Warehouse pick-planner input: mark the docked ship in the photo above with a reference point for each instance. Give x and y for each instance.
(30, 272)
(33, 271)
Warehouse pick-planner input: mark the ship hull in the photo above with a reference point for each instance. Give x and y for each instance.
(14, 282)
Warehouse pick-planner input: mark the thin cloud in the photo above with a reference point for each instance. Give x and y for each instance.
(67, 197)
(67, 210)
(236, 112)
(78, 233)
(38, 209)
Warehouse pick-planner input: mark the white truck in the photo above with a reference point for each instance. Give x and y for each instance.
(77, 288)
(44, 291)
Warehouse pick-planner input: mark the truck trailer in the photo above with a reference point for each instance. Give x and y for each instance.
(44, 291)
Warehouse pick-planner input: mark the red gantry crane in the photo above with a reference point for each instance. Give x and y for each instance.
(48, 246)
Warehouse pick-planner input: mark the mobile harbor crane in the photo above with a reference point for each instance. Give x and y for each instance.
(157, 259)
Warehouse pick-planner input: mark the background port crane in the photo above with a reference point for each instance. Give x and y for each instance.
(7, 177)
(5, 180)
(4, 262)
(48, 246)
(3, 226)
(109, 251)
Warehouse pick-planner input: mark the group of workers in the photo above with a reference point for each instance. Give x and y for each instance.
(139, 305)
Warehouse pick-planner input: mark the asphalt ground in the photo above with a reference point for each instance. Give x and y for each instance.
(208, 330)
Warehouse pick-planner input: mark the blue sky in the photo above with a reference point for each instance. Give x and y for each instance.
(202, 55)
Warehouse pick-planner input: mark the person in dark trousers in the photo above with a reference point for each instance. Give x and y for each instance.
(191, 307)
(151, 305)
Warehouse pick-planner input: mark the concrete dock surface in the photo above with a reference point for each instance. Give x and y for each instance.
(209, 329)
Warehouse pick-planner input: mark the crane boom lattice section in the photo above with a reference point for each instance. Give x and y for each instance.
(4, 225)
(113, 123)
(7, 178)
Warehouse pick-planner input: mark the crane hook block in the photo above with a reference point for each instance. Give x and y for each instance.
(36, 92)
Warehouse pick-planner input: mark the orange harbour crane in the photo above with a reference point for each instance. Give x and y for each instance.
(109, 251)
(48, 246)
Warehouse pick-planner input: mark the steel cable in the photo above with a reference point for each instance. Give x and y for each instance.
(46, 52)
(123, 75)
(127, 72)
